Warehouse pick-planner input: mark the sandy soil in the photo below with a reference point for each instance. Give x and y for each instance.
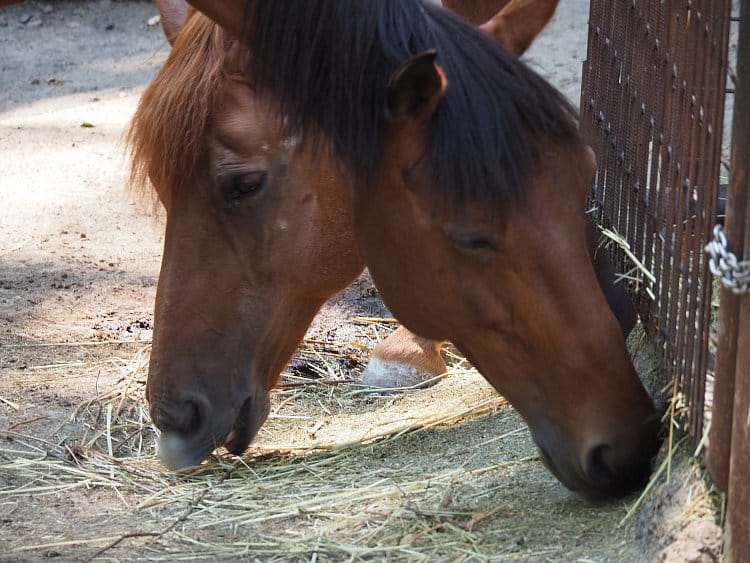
(79, 261)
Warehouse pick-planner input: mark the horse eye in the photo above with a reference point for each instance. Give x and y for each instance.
(473, 244)
(245, 185)
(469, 239)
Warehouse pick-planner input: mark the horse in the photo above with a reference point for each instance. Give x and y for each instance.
(470, 181)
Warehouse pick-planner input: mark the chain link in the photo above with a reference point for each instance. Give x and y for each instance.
(733, 273)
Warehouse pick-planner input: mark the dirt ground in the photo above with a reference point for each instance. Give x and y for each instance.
(79, 261)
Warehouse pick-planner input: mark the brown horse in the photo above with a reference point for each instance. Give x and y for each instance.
(470, 182)
(201, 132)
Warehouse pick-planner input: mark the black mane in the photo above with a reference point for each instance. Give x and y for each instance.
(328, 62)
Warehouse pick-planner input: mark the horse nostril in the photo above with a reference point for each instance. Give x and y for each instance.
(598, 467)
(617, 469)
(194, 413)
(186, 436)
(184, 417)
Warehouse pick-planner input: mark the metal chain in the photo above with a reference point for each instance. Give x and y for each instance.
(733, 273)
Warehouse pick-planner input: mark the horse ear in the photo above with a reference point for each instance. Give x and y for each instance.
(519, 22)
(416, 88)
(173, 14)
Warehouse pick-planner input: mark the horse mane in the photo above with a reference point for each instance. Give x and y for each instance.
(328, 62)
(167, 134)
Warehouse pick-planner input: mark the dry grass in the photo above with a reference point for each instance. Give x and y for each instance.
(338, 472)
(639, 274)
(313, 484)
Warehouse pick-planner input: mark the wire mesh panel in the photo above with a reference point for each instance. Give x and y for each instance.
(652, 108)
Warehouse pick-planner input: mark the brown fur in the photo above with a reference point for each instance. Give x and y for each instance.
(403, 346)
(476, 11)
(514, 26)
(235, 292)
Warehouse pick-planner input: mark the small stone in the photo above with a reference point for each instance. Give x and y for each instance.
(47, 9)
(109, 27)
(73, 25)
(154, 20)
(35, 22)
(25, 18)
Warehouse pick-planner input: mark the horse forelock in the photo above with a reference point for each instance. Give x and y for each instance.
(327, 63)
(168, 133)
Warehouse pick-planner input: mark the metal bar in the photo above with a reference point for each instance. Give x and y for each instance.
(675, 230)
(712, 108)
(649, 311)
(683, 311)
(638, 155)
(699, 186)
(720, 444)
(712, 27)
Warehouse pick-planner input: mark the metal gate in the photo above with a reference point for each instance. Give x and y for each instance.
(652, 107)
(729, 446)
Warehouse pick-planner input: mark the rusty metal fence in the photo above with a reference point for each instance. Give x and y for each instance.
(652, 107)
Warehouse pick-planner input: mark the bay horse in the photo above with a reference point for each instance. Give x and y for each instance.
(236, 295)
(470, 181)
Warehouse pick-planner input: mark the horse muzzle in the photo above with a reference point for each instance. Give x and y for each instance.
(191, 429)
(606, 470)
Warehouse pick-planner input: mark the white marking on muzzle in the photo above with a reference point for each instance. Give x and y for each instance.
(171, 449)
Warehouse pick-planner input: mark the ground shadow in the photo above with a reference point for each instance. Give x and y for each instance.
(66, 48)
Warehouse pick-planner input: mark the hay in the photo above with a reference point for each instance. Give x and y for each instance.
(640, 275)
(338, 472)
(314, 487)
(11, 404)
